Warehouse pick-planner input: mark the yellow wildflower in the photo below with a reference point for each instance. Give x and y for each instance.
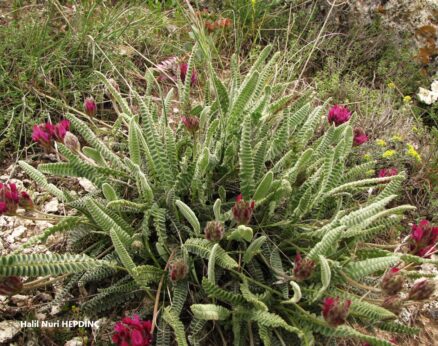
(370, 172)
(413, 153)
(389, 153)
(367, 157)
(391, 85)
(397, 138)
(407, 99)
(380, 142)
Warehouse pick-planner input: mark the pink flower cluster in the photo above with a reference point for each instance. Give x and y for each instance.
(360, 137)
(338, 115)
(387, 172)
(334, 311)
(242, 210)
(424, 239)
(132, 332)
(11, 198)
(44, 134)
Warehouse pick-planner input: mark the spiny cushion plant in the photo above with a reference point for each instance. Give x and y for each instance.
(203, 220)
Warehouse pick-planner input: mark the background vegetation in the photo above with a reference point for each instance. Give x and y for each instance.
(49, 51)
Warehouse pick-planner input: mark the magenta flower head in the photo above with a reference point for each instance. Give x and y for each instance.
(242, 210)
(214, 230)
(41, 136)
(132, 332)
(335, 312)
(303, 268)
(424, 239)
(421, 290)
(387, 172)
(338, 115)
(392, 281)
(61, 129)
(90, 106)
(360, 137)
(183, 69)
(9, 198)
(191, 123)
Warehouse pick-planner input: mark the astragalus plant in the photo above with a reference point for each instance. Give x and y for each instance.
(240, 223)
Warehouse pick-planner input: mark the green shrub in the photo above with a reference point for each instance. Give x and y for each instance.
(143, 228)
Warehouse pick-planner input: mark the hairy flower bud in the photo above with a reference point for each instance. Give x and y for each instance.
(137, 245)
(214, 230)
(335, 312)
(191, 123)
(392, 281)
(393, 303)
(178, 270)
(303, 268)
(25, 201)
(10, 285)
(90, 107)
(422, 290)
(242, 210)
(72, 142)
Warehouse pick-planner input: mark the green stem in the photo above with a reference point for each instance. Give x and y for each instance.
(243, 276)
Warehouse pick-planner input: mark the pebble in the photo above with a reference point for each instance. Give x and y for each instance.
(51, 206)
(8, 329)
(17, 232)
(77, 341)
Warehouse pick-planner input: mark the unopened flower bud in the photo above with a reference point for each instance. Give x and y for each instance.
(137, 245)
(10, 285)
(90, 107)
(178, 270)
(303, 268)
(335, 312)
(422, 290)
(25, 201)
(392, 282)
(72, 142)
(393, 303)
(214, 230)
(242, 210)
(191, 123)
